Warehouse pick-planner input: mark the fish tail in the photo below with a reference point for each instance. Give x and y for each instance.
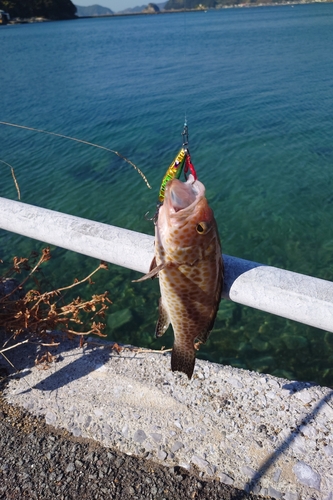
(183, 360)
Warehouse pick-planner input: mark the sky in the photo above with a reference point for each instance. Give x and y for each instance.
(115, 5)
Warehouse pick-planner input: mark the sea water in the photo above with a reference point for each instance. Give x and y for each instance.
(256, 88)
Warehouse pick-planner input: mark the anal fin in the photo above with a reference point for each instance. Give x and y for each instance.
(163, 320)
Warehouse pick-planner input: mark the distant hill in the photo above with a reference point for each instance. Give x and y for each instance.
(132, 10)
(92, 10)
(141, 8)
(152, 8)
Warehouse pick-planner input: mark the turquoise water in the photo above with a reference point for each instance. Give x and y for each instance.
(256, 86)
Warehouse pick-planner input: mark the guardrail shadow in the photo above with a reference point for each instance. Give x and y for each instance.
(233, 269)
(255, 480)
(90, 357)
(22, 358)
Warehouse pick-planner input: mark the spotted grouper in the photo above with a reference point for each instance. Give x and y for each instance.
(189, 265)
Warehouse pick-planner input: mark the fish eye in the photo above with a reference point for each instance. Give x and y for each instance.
(203, 227)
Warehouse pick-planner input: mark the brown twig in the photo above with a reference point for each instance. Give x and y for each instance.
(13, 346)
(45, 295)
(141, 350)
(138, 350)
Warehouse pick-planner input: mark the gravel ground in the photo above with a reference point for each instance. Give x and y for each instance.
(230, 430)
(38, 461)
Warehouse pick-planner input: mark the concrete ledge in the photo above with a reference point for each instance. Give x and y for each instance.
(257, 432)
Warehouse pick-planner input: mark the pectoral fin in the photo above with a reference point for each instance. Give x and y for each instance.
(152, 265)
(163, 320)
(153, 272)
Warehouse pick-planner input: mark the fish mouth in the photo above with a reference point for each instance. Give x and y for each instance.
(181, 195)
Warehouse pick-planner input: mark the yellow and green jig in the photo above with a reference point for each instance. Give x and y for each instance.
(173, 172)
(175, 169)
(181, 161)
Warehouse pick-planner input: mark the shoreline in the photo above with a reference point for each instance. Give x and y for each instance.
(33, 20)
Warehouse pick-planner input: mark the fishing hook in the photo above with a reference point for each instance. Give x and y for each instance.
(155, 216)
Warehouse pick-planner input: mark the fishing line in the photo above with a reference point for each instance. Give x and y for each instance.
(185, 55)
(189, 167)
(185, 60)
(82, 142)
(14, 178)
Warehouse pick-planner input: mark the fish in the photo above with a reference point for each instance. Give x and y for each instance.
(188, 262)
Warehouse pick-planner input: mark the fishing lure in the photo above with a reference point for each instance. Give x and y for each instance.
(174, 171)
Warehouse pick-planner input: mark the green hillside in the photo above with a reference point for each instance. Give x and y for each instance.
(93, 10)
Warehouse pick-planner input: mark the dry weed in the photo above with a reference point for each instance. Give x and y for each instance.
(38, 313)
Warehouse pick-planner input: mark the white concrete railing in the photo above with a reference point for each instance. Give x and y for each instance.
(284, 293)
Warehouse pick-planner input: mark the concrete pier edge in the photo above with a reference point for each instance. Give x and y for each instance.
(256, 432)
